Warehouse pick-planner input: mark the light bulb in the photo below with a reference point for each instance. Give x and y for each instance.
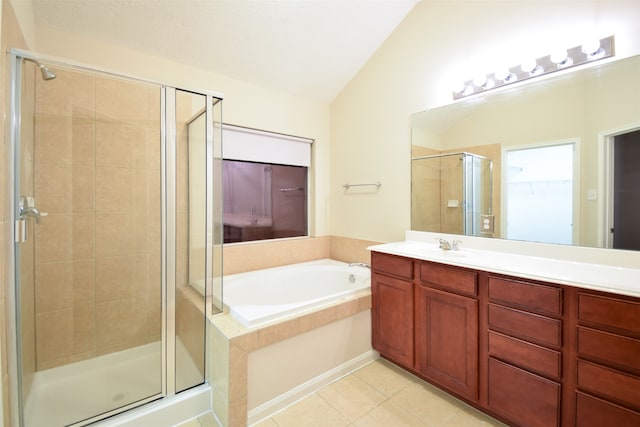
(458, 87)
(505, 75)
(462, 89)
(531, 67)
(559, 56)
(591, 47)
(479, 81)
(528, 65)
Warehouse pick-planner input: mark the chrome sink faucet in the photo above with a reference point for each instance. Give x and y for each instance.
(445, 245)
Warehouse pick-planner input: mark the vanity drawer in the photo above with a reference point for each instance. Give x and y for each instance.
(525, 325)
(610, 312)
(609, 382)
(392, 265)
(523, 398)
(594, 412)
(526, 355)
(608, 347)
(454, 279)
(532, 296)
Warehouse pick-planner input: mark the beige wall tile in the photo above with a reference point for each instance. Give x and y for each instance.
(54, 238)
(120, 100)
(114, 234)
(116, 144)
(83, 144)
(153, 145)
(114, 189)
(84, 327)
(84, 231)
(115, 278)
(243, 257)
(53, 189)
(118, 324)
(83, 189)
(55, 331)
(84, 280)
(70, 94)
(54, 286)
(351, 250)
(53, 140)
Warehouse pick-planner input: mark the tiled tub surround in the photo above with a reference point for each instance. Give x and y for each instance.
(255, 372)
(230, 344)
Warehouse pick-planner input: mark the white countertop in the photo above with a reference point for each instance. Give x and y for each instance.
(591, 275)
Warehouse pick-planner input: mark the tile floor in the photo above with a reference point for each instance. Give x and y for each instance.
(378, 394)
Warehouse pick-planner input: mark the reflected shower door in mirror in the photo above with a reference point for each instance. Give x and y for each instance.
(451, 193)
(589, 106)
(263, 201)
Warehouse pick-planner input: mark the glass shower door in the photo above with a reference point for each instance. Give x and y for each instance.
(88, 211)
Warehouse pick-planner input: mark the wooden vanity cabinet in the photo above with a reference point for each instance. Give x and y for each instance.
(530, 353)
(608, 363)
(525, 322)
(392, 307)
(446, 328)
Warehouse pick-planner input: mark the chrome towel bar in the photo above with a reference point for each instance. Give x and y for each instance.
(377, 184)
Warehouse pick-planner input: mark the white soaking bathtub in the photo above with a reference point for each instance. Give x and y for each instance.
(262, 296)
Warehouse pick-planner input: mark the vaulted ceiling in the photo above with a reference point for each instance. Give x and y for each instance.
(308, 48)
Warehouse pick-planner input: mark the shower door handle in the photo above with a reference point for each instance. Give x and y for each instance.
(27, 209)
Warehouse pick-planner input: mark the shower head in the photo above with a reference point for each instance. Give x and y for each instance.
(47, 74)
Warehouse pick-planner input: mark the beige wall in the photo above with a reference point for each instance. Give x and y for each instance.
(412, 71)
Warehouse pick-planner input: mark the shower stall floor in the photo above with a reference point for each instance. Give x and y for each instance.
(72, 393)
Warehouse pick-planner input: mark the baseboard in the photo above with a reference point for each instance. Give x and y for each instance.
(276, 404)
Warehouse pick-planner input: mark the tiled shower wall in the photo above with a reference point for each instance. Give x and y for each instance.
(97, 175)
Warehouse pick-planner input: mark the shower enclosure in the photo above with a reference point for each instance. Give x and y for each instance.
(115, 219)
(451, 193)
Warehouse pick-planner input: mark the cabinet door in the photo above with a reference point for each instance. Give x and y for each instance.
(594, 412)
(392, 318)
(447, 340)
(524, 398)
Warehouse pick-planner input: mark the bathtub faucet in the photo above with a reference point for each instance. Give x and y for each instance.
(359, 264)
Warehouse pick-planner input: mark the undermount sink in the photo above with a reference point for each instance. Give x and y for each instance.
(422, 249)
(452, 254)
(448, 253)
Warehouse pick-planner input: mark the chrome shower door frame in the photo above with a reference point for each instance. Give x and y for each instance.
(167, 207)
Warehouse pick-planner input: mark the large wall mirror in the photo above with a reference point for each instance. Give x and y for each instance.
(564, 154)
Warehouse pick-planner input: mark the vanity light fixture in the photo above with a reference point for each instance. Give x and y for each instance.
(561, 59)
